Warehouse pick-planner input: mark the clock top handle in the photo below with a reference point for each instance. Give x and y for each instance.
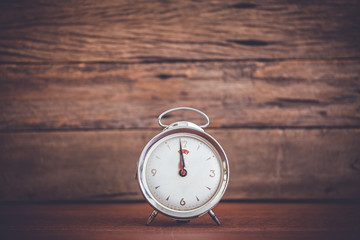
(183, 108)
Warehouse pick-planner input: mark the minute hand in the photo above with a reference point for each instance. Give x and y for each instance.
(182, 161)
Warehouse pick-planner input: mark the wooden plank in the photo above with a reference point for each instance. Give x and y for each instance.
(127, 221)
(101, 165)
(138, 31)
(234, 94)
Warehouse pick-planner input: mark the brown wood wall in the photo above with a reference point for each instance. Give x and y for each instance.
(82, 83)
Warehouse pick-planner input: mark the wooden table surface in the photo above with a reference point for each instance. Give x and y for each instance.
(127, 221)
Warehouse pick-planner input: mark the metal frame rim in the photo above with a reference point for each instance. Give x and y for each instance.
(172, 213)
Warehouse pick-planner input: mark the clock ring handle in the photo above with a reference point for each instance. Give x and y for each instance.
(183, 108)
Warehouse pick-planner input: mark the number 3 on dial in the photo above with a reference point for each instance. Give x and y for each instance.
(212, 173)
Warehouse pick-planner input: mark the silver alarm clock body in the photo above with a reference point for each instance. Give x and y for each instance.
(183, 172)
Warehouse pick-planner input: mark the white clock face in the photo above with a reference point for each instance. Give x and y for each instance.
(183, 181)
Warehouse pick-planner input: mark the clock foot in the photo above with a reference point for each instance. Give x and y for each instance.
(152, 217)
(213, 216)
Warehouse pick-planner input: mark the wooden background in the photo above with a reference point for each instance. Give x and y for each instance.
(82, 83)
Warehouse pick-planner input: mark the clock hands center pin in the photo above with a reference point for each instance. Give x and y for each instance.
(182, 171)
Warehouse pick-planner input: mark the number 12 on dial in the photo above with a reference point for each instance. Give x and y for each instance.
(183, 172)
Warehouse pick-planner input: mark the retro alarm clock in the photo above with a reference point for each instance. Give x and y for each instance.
(183, 172)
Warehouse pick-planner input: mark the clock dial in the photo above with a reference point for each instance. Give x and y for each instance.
(183, 171)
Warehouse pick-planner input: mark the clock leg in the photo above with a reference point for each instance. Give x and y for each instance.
(152, 217)
(213, 216)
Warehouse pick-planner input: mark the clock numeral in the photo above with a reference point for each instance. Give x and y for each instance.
(153, 171)
(182, 202)
(212, 173)
(168, 146)
(184, 143)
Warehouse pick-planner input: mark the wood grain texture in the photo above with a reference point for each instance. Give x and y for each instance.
(127, 221)
(82, 83)
(234, 94)
(142, 31)
(101, 165)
